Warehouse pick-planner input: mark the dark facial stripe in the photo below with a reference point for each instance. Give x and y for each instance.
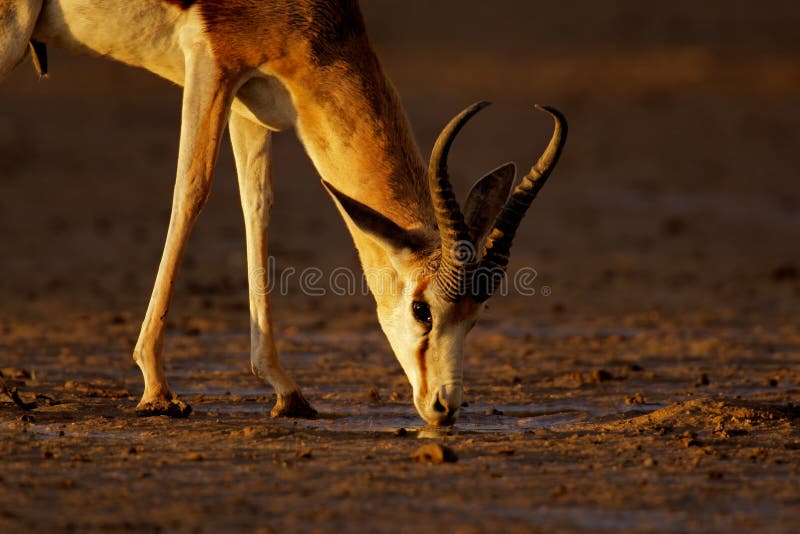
(420, 290)
(423, 367)
(183, 4)
(422, 350)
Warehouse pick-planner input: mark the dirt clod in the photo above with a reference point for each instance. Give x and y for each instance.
(305, 453)
(600, 375)
(15, 373)
(14, 395)
(434, 453)
(47, 400)
(636, 398)
(373, 396)
(689, 439)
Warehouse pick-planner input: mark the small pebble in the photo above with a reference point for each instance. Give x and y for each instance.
(637, 398)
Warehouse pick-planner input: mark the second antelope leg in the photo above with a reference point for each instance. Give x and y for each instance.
(252, 145)
(206, 106)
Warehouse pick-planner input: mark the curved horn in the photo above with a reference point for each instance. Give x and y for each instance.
(498, 243)
(458, 252)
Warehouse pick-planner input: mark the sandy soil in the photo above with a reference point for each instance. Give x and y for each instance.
(651, 384)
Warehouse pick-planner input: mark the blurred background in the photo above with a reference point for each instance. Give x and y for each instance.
(667, 237)
(677, 194)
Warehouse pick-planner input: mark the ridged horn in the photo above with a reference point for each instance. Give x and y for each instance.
(497, 249)
(458, 256)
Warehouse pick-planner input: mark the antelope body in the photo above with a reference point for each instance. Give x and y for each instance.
(265, 66)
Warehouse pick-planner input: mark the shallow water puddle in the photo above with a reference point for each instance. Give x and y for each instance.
(506, 419)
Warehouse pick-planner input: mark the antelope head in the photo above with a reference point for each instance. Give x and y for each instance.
(433, 282)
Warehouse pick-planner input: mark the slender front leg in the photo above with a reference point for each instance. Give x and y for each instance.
(206, 106)
(252, 144)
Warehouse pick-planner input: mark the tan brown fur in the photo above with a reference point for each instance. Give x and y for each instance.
(320, 50)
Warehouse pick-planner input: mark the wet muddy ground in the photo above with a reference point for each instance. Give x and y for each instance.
(652, 383)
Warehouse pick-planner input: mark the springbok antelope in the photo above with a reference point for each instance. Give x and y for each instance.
(263, 66)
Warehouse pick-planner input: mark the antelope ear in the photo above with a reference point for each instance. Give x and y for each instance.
(381, 229)
(487, 198)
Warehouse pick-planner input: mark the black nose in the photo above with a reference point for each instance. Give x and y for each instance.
(441, 406)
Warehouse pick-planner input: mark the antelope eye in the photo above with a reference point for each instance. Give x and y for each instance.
(422, 313)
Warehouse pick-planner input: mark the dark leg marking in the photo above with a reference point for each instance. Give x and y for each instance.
(39, 55)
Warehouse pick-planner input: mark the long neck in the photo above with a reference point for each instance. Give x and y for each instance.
(354, 128)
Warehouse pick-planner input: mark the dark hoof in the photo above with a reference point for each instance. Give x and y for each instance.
(171, 408)
(293, 405)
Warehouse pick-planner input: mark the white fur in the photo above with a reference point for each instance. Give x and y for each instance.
(147, 34)
(143, 34)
